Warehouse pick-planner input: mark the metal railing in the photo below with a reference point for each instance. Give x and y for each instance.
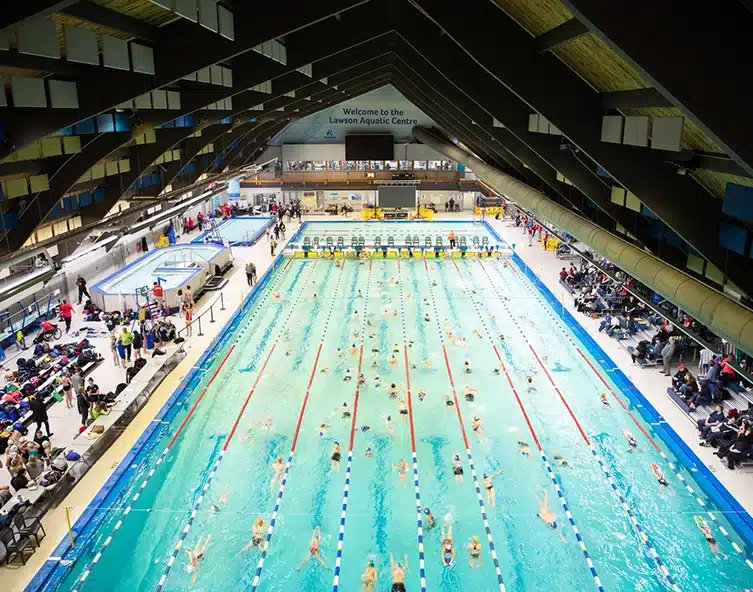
(197, 320)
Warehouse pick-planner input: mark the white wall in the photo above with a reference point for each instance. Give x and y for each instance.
(416, 152)
(313, 152)
(270, 153)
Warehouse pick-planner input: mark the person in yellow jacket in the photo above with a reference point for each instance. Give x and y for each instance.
(126, 337)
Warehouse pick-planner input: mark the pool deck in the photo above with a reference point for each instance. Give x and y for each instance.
(651, 383)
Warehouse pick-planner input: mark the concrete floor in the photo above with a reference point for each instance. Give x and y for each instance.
(651, 383)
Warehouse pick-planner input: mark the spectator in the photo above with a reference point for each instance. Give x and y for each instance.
(724, 432)
(563, 275)
(727, 372)
(34, 467)
(666, 355)
(641, 350)
(138, 343)
(47, 329)
(614, 325)
(126, 338)
(20, 339)
(81, 283)
(67, 311)
(605, 322)
(715, 419)
(83, 405)
(250, 273)
(39, 413)
(5, 495)
(19, 480)
(679, 379)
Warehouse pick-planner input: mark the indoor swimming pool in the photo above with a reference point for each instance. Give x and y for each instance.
(398, 230)
(257, 432)
(241, 231)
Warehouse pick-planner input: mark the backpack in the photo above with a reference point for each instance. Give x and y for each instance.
(120, 388)
(140, 363)
(37, 350)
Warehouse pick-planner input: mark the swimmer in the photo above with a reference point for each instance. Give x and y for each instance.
(447, 552)
(398, 573)
(369, 452)
(359, 295)
(457, 468)
(314, 543)
(277, 295)
(267, 423)
(491, 496)
(347, 375)
(474, 549)
(374, 363)
(478, 428)
(369, 577)
(214, 509)
(377, 381)
(353, 350)
(288, 352)
(402, 470)
(361, 379)
(195, 557)
(393, 391)
(345, 411)
(659, 475)
(323, 429)
(546, 515)
(421, 395)
(224, 497)
(604, 400)
(708, 535)
(388, 425)
(257, 536)
(314, 296)
(426, 317)
(448, 401)
(365, 428)
(430, 522)
(393, 361)
(530, 388)
(469, 393)
(501, 337)
(278, 468)
(632, 443)
(402, 408)
(340, 354)
(335, 465)
(324, 369)
(427, 364)
(559, 461)
(477, 333)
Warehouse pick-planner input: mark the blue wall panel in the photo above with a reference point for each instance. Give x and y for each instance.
(732, 237)
(738, 201)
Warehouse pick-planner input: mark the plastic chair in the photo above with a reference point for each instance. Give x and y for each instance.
(28, 524)
(14, 546)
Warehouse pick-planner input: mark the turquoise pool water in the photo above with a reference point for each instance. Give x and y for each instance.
(281, 379)
(171, 264)
(396, 229)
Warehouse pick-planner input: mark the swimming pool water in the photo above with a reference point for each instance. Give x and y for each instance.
(241, 230)
(281, 378)
(170, 264)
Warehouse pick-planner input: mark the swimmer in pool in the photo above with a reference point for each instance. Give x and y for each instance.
(195, 557)
(340, 354)
(388, 425)
(214, 509)
(501, 337)
(530, 388)
(353, 350)
(708, 534)
(314, 543)
(257, 536)
(345, 410)
(377, 381)
(546, 515)
(402, 408)
(427, 364)
(632, 443)
(323, 429)
(421, 395)
(491, 496)
(359, 295)
(402, 470)
(277, 295)
(447, 552)
(361, 379)
(477, 333)
(474, 549)
(448, 401)
(224, 496)
(347, 375)
(278, 468)
(393, 361)
(478, 428)
(393, 391)
(659, 476)
(369, 577)
(457, 468)
(369, 451)
(426, 317)
(374, 363)
(429, 519)
(355, 315)
(604, 400)
(469, 393)
(335, 465)
(398, 573)
(560, 462)
(267, 423)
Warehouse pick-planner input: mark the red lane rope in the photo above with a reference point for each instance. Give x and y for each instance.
(455, 397)
(306, 398)
(355, 403)
(410, 402)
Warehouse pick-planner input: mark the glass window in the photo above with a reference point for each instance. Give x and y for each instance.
(320, 165)
(435, 165)
(377, 165)
(448, 165)
(333, 165)
(419, 165)
(390, 165)
(406, 165)
(349, 165)
(362, 165)
(307, 165)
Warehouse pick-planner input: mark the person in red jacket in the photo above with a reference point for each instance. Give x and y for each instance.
(727, 373)
(66, 309)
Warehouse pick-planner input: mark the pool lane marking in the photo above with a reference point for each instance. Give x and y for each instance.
(416, 485)
(286, 473)
(287, 264)
(689, 488)
(215, 466)
(474, 475)
(98, 555)
(346, 491)
(642, 535)
(673, 467)
(547, 466)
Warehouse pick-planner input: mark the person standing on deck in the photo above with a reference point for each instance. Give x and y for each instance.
(251, 273)
(81, 283)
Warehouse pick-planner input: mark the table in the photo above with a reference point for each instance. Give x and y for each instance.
(24, 495)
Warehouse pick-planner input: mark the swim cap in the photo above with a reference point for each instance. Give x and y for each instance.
(371, 563)
(427, 511)
(554, 525)
(260, 522)
(389, 418)
(484, 476)
(475, 539)
(345, 404)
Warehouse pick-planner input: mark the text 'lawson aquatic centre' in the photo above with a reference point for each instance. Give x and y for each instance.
(354, 115)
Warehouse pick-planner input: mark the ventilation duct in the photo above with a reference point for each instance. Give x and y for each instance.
(726, 318)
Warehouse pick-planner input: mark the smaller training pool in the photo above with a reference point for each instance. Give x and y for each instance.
(240, 231)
